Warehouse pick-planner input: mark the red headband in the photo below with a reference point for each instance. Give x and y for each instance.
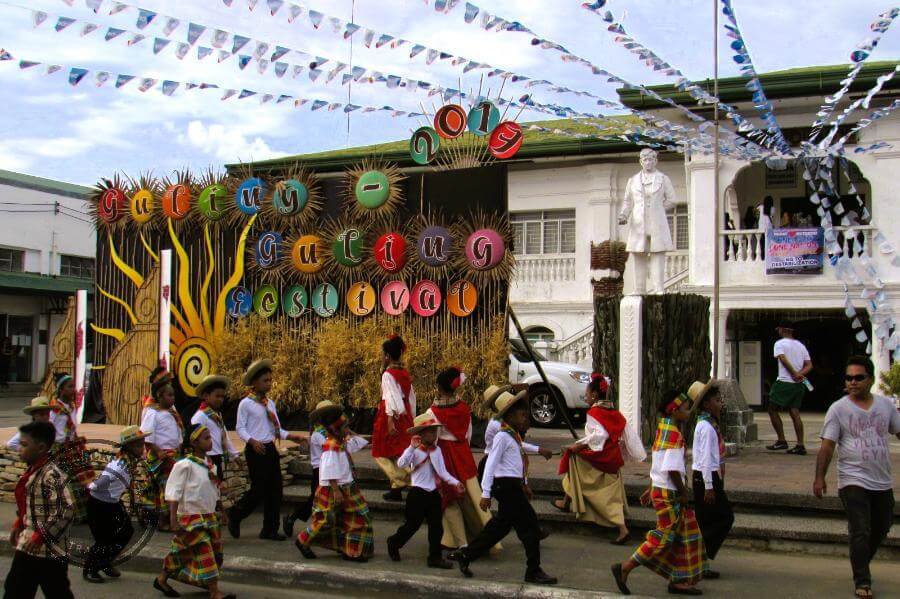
(604, 385)
(459, 380)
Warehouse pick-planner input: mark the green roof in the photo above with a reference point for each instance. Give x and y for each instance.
(41, 184)
(27, 283)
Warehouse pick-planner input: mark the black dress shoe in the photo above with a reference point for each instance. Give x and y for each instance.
(538, 576)
(304, 550)
(273, 536)
(234, 526)
(440, 563)
(112, 572)
(92, 576)
(462, 561)
(165, 590)
(393, 550)
(712, 575)
(393, 495)
(673, 590)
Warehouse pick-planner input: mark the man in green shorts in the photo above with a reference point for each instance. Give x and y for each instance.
(788, 390)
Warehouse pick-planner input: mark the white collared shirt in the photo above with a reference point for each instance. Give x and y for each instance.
(335, 465)
(392, 395)
(596, 436)
(253, 422)
(58, 420)
(316, 441)
(664, 461)
(493, 427)
(707, 458)
(200, 417)
(504, 461)
(425, 465)
(161, 429)
(189, 484)
(15, 442)
(112, 482)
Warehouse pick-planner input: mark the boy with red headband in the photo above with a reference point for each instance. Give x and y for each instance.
(395, 414)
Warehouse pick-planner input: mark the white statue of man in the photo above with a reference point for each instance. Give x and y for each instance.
(648, 195)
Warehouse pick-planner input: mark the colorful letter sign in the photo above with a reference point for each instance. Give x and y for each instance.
(395, 298)
(424, 145)
(176, 201)
(295, 301)
(390, 252)
(268, 249)
(265, 301)
(142, 205)
(505, 140)
(462, 298)
(211, 202)
(372, 189)
(426, 298)
(347, 248)
(111, 206)
(249, 195)
(434, 246)
(450, 121)
(239, 302)
(361, 299)
(325, 300)
(485, 249)
(305, 254)
(483, 118)
(290, 197)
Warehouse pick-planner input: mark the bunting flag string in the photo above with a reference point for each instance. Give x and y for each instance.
(742, 58)
(865, 122)
(863, 101)
(858, 57)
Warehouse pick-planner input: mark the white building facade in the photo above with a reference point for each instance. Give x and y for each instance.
(47, 248)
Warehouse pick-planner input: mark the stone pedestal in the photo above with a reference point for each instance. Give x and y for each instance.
(631, 359)
(737, 426)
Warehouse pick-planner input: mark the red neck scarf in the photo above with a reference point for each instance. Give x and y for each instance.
(21, 492)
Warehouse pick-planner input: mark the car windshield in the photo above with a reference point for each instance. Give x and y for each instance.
(517, 349)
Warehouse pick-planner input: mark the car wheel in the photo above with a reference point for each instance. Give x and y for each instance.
(544, 411)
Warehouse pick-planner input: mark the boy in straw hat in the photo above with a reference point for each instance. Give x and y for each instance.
(317, 436)
(506, 478)
(39, 410)
(491, 395)
(211, 392)
(395, 414)
(340, 520)
(108, 518)
(195, 510)
(423, 502)
(674, 549)
(165, 431)
(259, 427)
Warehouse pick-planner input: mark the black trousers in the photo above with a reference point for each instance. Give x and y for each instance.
(27, 573)
(112, 529)
(422, 506)
(715, 519)
(514, 511)
(265, 488)
(481, 465)
(304, 510)
(870, 515)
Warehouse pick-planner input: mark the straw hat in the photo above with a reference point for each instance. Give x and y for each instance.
(507, 400)
(254, 369)
(322, 408)
(131, 433)
(212, 379)
(493, 393)
(37, 404)
(697, 391)
(422, 422)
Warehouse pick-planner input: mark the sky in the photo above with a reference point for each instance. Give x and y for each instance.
(81, 133)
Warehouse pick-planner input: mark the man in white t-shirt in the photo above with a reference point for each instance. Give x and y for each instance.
(788, 390)
(859, 425)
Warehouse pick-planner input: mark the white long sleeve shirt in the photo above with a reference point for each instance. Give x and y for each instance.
(335, 465)
(189, 484)
(392, 395)
(15, 441)
(217, 434)
(504, 461)
(253, 421)
(596, 436)
(493, 427)
(707, 458)
(58, 420)
(161, 429)
(426, 466)
(665, 461)
(316, 441)
(112, 482)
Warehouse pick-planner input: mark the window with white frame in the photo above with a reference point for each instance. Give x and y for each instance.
(678, 226)
(543, 232)
(539, 334)
(76, 266)
(12, 260)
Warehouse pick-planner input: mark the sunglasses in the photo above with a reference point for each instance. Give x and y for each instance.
(856, 378)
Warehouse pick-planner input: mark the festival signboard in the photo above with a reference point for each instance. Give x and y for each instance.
(795, 251)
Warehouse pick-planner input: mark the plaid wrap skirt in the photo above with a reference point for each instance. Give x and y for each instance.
(159, 467)
(195, 555)
(674, 549)
(345, 527)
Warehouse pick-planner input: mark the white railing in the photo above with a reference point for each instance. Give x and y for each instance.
(545, 268)
(676, 263)
(578, 348)
(748, 245)
(675, 283)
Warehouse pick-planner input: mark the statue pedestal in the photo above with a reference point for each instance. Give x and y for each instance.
(631, 359)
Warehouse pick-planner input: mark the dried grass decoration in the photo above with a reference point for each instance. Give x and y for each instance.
(435, 241)
(107, 203)
(373, 189)
(485, 256)
(389, 258)
(142, 204)
(296, 199)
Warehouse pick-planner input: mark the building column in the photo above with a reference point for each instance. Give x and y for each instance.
(721, 358)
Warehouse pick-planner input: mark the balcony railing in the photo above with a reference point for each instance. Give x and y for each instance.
(544, 268)
(748, 245)
(677, 262)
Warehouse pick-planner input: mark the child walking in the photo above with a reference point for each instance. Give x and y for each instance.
(70, 451)
(395, 414)
(506, 478)
(164, 435)
(317, 434)
(39, 410)
(211, 391)
(195, 509)
(340, 519)
(108, 518)
(423, 502)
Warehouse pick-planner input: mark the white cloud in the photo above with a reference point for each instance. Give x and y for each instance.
(12, 159)
(227, 143)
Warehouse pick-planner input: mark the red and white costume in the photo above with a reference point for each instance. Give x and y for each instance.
(398, 402)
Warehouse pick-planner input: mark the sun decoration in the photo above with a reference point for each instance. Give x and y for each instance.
(390, 253)
(361, 298)
(373, 189)
(394, 298)
(108, 203)
(485, 254)
(435, 245)
(212, 203)
(296, 199)
(142, 201)
(304, 257)
(177, 196)
(295, 301)
(346, 249)
(265, 255)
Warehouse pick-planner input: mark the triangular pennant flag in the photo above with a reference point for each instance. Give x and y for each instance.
(315, 17)
(417, 49)
(219, 38)
(112, 32)
(300, 102)
(345, 79)
(62, 23)
(266, 98)
(53, 68)
(350, 108)
(275, 6)
(137, 38)
(239, 42)
(243, 61)
(182, 50)
(121, 80)
(224, 55)
(194, 32)
(431, 56)
(89, 28)
(471, 12)
(38, 17)
(336, 24)
(145, 17)
(280, 69)
(334, 106)
(228, 93)
(4, 55)
(279, 52)
(169, 87)
(384, 39)
(261, 65)
(318, 104)
(294, 11)
(146, 84)
(160, 43)
(246, 93)
(117, 7)
(296, 70)
(314, 74)
(76, 75)
(94, 5)
(171, 25)
(203, 52)
(261, 49)
(350, 29)
(369, 36)
(27, 64)
(251, 4)
(189, 86)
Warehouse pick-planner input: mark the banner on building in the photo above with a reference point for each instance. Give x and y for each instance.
(795, 251)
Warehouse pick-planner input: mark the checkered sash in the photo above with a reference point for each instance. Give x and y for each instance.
(674, 549)
(346, 527)
(195, 555)
(159, 466)
(668, 436)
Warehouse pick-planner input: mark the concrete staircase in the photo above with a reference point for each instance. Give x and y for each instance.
(20, 390)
